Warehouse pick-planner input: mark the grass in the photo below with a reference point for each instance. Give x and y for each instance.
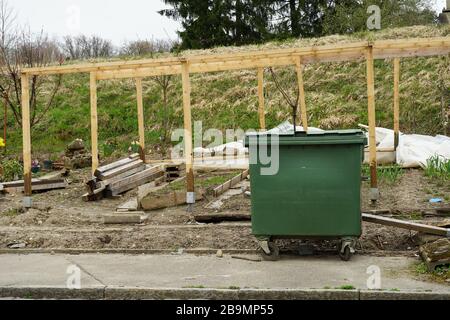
(438, 168)
(336, 96)
(346, 287)
(441, 273)
(389, 174)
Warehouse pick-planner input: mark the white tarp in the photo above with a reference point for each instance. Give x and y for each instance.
(414, 149)
(237, 147)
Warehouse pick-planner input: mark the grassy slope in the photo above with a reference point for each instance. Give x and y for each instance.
(335, 95)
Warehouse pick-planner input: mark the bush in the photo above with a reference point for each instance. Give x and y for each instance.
(12, 170)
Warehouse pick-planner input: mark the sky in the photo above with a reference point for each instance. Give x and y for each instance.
(116, 20)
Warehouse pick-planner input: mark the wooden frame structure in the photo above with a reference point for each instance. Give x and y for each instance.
(187, 65)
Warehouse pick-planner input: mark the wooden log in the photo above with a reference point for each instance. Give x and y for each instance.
(116, 164)
(230, 183)
(435, 253)
(406, 225)
(220, 217)
(134, 181)
(123, 169)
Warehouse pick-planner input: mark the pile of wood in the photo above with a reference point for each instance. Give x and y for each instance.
(36, 185)
(121, 176)
(436, 253)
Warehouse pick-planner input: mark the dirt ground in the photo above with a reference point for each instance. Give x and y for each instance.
(60, 219)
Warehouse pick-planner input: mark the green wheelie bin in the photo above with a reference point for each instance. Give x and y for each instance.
(306, 185)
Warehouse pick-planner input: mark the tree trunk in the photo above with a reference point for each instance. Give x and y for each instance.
(295, 18)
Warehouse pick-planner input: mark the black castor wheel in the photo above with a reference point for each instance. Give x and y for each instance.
(274, 254)
(346, 255)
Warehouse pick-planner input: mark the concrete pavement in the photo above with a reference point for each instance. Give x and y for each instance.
(190, 276)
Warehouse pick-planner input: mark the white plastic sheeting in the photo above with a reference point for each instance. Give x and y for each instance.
(238, 148)
(414, 149)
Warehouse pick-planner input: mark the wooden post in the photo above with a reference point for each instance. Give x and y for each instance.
(94, 122)
(372, 125)
(396, 102)
(190, 190)
(140, 105)
(26, 136)
(301, 90)
(5, 121)
(261, 111)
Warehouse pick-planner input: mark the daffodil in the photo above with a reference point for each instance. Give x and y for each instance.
(2, 143)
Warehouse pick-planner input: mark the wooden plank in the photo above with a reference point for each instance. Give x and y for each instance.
(382, 49)
(372, 120)
(38, 187)
(189, 155)
(98, 194)
(301, 90)
(167, 200)
(135, 180)
(396, 102)
(140, 106)
(112, 173)
(34, 182)
(221, 217)
(135, 218)
(230, 183)
(116, 164)
(406, 225)
(261, 105)
(26, 134)
(121, 176)
(94, 122)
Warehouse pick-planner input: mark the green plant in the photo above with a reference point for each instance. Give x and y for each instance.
(12, 170)
(438, 167)
(390, 174)
(346, 287)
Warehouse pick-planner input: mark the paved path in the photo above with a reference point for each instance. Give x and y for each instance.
(99, 271)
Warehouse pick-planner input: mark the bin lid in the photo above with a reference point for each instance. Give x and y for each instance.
(351, 136)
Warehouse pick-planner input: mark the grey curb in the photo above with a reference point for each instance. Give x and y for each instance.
(129, 293)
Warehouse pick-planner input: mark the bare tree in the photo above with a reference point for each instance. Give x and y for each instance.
(83, 47)
(19, 49)
(147, 47)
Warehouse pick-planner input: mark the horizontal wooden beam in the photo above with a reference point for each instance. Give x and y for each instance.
(255, 59)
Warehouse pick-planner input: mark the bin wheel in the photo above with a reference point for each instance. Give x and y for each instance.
(274, 254)
(346, 255)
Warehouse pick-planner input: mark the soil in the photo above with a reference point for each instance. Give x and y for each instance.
(61, 220)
